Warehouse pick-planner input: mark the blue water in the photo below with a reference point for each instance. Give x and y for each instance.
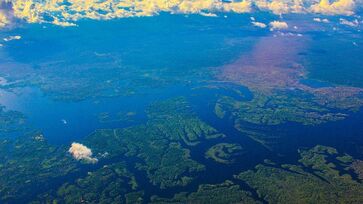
(63, 122)
(315, 83)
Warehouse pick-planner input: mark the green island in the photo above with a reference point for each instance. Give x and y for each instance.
(277, 109)
(224, 152)
(258, 116)
(226, 192)
(159, 146)
(320, 177)
(109, 184)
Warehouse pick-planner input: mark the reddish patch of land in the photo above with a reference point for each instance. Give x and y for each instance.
(273, 65)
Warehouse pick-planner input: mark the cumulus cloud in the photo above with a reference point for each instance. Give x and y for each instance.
(339, 7)
(65, 14)
(3, 20)
(278, 25)
(281, 6)
(5, 15)
(68, 12)
(81, 152)
(259, 24)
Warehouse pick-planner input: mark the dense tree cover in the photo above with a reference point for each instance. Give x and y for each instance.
(109, 184)
(319, 178)
(226, 192)
(224, 152)
(28, 163)
(160, 143)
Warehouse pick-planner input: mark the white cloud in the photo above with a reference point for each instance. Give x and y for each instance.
(208, 14)
(354, 23)
(338, 7)
(81, 152)
(289, 34)
(67, 14)
(278, 25)
(259, 24)
(3, 19)
(320, 20)
(10, 38)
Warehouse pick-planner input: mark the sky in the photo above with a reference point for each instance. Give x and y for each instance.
(68, 12)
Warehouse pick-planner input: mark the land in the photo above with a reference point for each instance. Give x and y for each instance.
(319, 177)
(28, 164)
(11, 121)
(161, 149)
(160, 145)
(274, 77)
(226, 192)
(224, 152)
(109, 184)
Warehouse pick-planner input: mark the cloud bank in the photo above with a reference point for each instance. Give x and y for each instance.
(81, 152)
(67, 12)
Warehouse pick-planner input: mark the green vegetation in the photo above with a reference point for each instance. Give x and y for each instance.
(226, 192)
(135, 197)
(159, 148)
(357, 166)
(109, 184)
(277, 109)
(316, 180)
(10, 120)
(224, 152)
(28, 163)
(257, 117)
(159, 144)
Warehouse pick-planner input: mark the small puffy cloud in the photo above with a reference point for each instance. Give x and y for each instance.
(278, 25)
(324, 20)
(10, 38)
(259, 24)
(288, 34)
(338, 7)
(208, 14)
(354, 23)
(81, 152)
